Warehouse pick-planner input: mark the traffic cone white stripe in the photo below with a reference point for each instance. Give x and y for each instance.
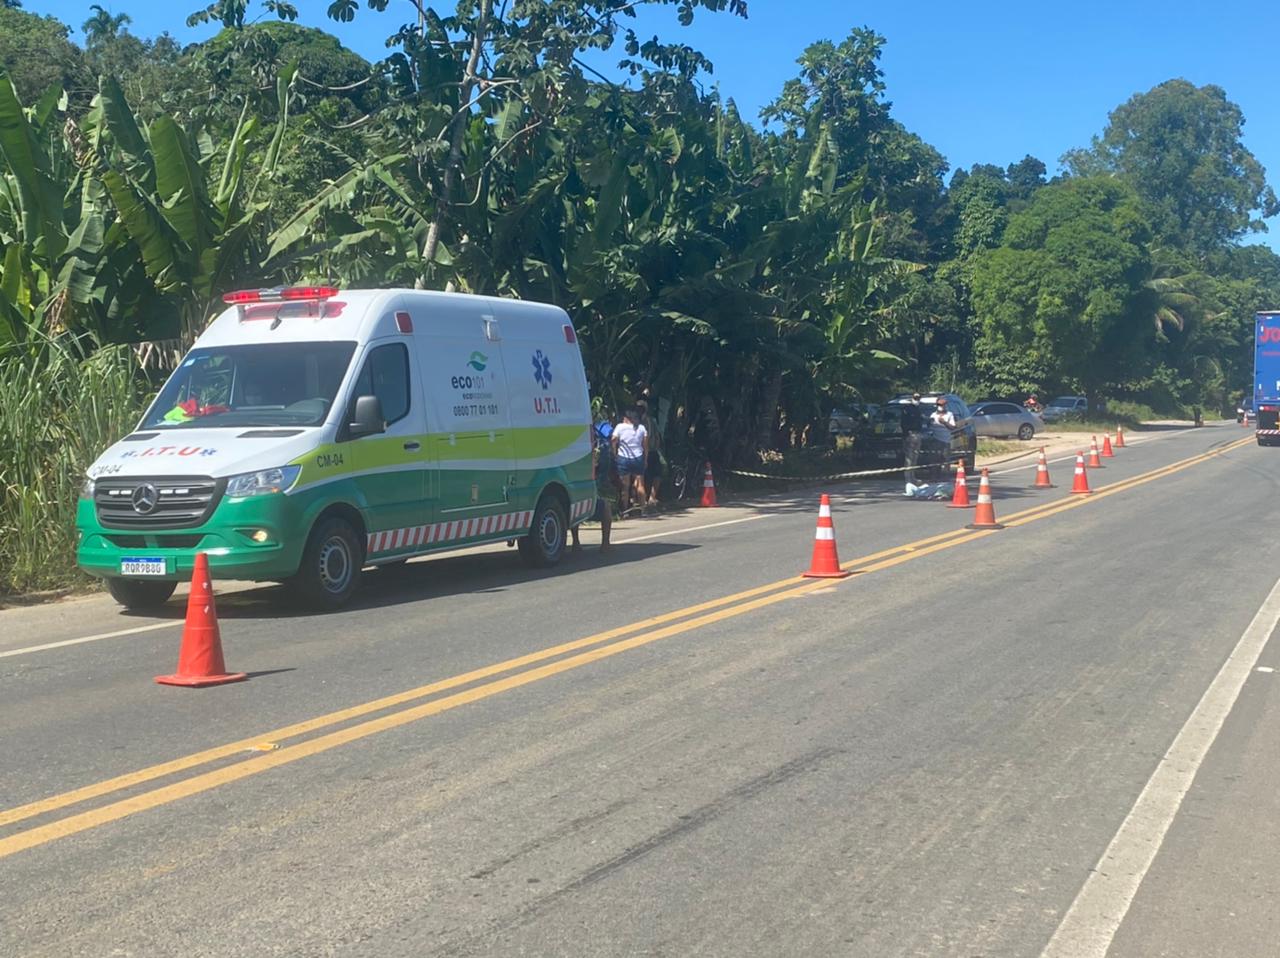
(826, 562)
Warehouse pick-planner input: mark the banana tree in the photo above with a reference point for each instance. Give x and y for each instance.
(188, 206)
(53, 218)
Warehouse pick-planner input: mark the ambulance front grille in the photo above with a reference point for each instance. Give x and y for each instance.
(159, 502)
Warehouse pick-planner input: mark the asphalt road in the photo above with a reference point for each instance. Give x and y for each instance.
(1058, 739)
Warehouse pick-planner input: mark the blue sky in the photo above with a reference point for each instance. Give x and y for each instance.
(982, 82)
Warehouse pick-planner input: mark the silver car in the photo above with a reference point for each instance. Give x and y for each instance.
(1066, 407)
(1005, 419)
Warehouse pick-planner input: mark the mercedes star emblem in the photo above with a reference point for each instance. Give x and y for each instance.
(145, 498)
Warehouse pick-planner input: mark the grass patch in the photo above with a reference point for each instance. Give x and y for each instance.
(1000, 447)
(60, 411)
(1131, 415)
(1094, 427)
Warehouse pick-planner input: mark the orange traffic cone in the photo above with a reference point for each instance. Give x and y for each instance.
(200, 657)
(1094, 462)
(960, 499)
(984, 517)
(1106, 448)
(1119, 437)
(708, 489)
(1081, 484)
(1042, 472)
(825, 563)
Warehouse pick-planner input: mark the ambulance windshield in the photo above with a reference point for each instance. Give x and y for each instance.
(276, 384)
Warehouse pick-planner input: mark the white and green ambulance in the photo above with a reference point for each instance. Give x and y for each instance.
(312, 431)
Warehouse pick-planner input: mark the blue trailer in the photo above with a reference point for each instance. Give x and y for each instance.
(1266, 377)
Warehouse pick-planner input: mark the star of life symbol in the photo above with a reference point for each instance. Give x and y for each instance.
(542, 369)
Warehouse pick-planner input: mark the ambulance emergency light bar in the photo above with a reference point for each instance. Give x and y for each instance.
(279, 294)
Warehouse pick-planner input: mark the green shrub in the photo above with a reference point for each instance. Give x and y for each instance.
(60, 410)
(1131, 413)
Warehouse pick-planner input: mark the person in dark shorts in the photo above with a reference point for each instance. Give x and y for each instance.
(630, 445)
(607, 485)
(653, 458)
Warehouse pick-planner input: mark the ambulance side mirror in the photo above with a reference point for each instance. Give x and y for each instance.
(367, 419)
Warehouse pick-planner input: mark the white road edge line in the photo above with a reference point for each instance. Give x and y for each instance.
(1090, 924)
(90, 638)
(711, 525)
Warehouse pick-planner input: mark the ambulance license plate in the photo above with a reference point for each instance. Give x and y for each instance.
(134, 565)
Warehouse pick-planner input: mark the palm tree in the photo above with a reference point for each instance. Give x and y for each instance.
(1169, 298)
(103, 26)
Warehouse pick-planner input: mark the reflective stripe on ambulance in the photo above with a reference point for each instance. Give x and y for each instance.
(416, 537)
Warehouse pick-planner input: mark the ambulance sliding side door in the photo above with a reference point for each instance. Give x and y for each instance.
(471, 422)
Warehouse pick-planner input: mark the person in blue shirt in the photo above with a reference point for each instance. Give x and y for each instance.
(606, 486)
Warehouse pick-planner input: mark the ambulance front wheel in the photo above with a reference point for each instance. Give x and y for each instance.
(330, 567)
(544, 545)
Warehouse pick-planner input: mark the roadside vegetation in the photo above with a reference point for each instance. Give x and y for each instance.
(1002, 447)
(747, 274)
(62, 406)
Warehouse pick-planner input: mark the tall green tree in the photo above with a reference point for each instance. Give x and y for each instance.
(481, 60)
(1065, 290)
(1179, 146)
(37, 53)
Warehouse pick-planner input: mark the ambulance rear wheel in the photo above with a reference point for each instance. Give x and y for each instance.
(330, 567)
(140, 594)
(544, 545)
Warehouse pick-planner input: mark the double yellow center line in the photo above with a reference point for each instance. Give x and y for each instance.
(266, 751)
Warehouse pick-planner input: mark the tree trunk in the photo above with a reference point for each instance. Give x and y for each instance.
(458, 132)
(768, 414)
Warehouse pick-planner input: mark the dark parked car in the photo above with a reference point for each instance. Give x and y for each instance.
(882, 443)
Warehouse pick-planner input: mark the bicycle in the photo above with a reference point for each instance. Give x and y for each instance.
(686, 477)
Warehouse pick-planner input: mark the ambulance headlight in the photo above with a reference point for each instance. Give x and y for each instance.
(86, 490)
(262, 483)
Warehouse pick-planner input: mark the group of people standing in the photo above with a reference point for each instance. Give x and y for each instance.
(628, 463)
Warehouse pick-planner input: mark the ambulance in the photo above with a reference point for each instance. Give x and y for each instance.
(313, 432)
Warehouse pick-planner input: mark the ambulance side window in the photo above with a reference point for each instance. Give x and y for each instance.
(386, 375)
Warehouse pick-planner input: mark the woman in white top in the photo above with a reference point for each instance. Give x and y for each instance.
(944, 417)
(630, 450)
